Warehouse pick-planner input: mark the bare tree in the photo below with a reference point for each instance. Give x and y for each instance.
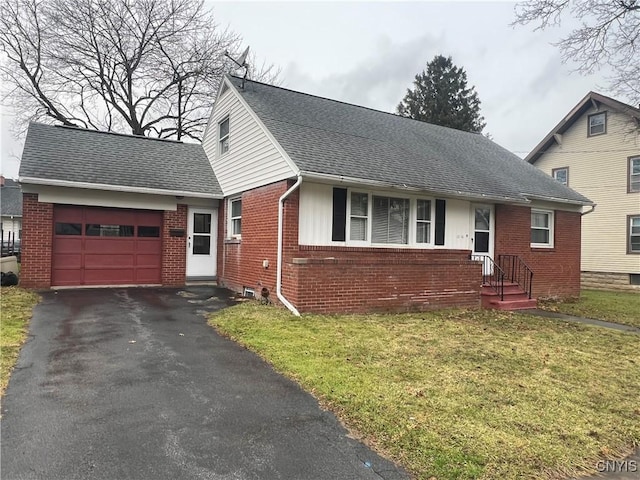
(608, 34)
(149, 67)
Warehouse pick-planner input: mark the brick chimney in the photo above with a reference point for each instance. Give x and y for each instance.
(1, 180)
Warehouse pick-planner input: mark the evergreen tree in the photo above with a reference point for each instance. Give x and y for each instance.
(441, 96)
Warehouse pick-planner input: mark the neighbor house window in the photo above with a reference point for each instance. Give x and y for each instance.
(561, 175)
(390, 223)
(597, 124)
(235, 217)
(358, 216)
(634, 174)
(224, 136)
(423, 221)
(634, 234)
(541, 228)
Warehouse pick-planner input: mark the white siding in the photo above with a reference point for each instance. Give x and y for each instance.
(101, 198)
(598, 169)
(316, 211)
(253, 159)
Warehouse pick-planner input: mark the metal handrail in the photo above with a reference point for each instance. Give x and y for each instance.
(517, 271)
(495, 279)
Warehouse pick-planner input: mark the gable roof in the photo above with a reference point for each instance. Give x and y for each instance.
(589, 100)
(11, 199)
(70, 156)
(332, 138)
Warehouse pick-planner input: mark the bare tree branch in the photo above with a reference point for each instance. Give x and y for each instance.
(148, 67)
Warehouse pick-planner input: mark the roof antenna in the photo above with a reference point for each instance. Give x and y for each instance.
(241, 62)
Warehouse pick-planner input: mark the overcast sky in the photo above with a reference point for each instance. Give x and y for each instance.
(368, 53)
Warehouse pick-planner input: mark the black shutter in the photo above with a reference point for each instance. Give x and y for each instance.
(339, 222)
(441, 206)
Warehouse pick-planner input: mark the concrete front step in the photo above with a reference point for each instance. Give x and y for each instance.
(508, 304)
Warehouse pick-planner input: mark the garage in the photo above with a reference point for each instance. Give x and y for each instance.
(106, 246)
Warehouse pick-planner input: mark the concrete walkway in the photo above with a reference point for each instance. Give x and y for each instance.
(586, 321)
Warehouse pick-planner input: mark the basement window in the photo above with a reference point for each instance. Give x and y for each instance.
(634, 279)
(248, 292)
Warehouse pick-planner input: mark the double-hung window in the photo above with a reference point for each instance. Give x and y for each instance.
(423, 221)
(541, 228)
(634, 174)
(235, 217)
(597, 124)
(359, 216)
(561, 175)
(634, 234)
(223, 131)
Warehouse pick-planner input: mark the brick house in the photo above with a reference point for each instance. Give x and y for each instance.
(595, 149)
(330, 207)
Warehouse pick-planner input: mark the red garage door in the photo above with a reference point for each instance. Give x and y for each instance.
(106, 246)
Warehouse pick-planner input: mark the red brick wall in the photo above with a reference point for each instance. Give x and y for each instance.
(355, 280)
(174, 248)
(340, 279)
(556, 270)
(37, 239)
(240, 264)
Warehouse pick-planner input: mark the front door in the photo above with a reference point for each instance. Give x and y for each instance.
(482, 229)
(201, 243)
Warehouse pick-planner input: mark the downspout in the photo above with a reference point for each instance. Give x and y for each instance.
(281, 297)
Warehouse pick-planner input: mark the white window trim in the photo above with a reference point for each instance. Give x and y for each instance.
(413, 220)
(555, 171)
(551, 229)
(227, 136)
(632, 175)
(230, 219)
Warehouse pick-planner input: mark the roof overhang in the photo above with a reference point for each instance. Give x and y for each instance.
(345, 180)
(116, 188)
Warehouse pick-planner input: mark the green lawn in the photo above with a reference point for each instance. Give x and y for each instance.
(619, 307)
(461, 394)
(15, 311)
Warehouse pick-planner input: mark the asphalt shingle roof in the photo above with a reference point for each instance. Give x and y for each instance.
(89, 156)
(11, 199)
(325, 136)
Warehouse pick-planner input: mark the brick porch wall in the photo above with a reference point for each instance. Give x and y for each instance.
(174, 260)
(342, 279)
(556, 270)
(37, 239)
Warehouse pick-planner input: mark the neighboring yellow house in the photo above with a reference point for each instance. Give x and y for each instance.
(595, 150)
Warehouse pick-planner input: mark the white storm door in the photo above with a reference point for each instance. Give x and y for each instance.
(202, 242)
(482, 226)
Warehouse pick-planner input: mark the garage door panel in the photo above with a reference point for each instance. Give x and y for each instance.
(66, 261)
(68, 245)
(63, 277)
(109, 276)
(106, 246)
(113, 246)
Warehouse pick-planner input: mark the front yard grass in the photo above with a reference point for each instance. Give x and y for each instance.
(15, 311)
(618, 307)
(461, 394)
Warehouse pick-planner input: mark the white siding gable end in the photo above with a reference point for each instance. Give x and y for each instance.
(254, 158)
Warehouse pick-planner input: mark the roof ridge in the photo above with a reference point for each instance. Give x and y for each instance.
(107, 132)
(395, 115)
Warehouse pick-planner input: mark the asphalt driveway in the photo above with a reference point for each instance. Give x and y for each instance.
(132, 384)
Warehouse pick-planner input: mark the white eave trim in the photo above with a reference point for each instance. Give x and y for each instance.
(324, 177)
(115, 188)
